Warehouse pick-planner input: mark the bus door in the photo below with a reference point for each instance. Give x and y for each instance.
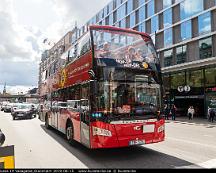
(85, 122)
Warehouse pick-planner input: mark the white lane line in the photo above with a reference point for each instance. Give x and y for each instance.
(191, 142)
(208, 164)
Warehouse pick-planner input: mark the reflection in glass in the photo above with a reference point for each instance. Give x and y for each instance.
(115, 48)
(131, 96)
(177, 79)
(186, 30)
(129, 6)
(189, 8)
(204, 22)
(167, 18)
(121, 12)
(154, 24)
(141, 27)
(195, 78)
(168, 38)
(132, 20)
(142, 14)
(210, 77)
(205, 48)
(150, 8)
(181, 54)
(168, 58)
(167, 3)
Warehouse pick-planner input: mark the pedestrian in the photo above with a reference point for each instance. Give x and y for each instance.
(173, 112)
(166, 112)
(211, 115)
(191, 112)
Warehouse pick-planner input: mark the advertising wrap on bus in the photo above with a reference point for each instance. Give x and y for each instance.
(108, 93)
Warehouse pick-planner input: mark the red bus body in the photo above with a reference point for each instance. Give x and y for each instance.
(94, 133)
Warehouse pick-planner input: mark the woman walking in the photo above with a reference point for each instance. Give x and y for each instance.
(191, 112)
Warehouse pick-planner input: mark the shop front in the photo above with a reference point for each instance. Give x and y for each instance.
(194, 87)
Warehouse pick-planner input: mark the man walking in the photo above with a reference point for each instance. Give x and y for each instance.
(211, 115)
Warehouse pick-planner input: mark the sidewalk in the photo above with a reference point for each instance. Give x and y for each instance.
(196, 120)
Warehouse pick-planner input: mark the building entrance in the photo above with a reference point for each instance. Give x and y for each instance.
(184, 103)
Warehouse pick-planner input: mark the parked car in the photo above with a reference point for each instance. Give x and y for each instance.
(7, 107)
(4, 103)
(23, 111)
(14, 107)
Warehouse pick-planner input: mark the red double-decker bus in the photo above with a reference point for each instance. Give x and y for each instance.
(110, 92)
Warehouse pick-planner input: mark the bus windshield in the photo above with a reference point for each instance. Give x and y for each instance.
(129, 96)
(124, 49)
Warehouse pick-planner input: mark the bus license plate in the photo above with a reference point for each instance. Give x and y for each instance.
(149, 128)
(137, 142)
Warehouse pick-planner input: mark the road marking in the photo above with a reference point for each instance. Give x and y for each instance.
(208, 164)
(190, 142)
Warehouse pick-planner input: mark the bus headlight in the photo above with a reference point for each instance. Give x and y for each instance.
(161, 128)
(101, 132)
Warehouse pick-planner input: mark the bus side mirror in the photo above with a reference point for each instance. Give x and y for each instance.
(91, 74)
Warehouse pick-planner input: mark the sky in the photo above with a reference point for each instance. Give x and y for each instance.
(24, 24)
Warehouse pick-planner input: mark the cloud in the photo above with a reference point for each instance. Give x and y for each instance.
(21, 45)
(72, 11)
(191, 7)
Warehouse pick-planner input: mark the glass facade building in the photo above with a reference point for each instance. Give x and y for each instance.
(184, 33)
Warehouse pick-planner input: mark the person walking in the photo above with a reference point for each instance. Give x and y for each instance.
(173, 112)
(211, 115)
(191, 112)
(166, 112)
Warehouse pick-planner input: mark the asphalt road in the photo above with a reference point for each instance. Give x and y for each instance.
(187, 145)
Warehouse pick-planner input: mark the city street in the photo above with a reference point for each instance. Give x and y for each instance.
(187, 145)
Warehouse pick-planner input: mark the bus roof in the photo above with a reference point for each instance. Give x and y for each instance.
(106, 27)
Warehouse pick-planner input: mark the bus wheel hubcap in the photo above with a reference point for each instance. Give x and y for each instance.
(69, 132)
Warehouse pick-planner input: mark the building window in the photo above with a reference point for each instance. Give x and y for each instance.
(111, 19)
(167, 18)
(189, 8)
(154, 24)
(210, 77)
(177, 79)
(141, 2)
(168, 37)
(150, 8)
(142, 27)
(204, 21)
(195, 78)
(118, 3)
(142, 14)
(121, 12)
(167, 3)
(122, 23)
(110, 6)
(186, 30)
(181, 54)
(132, 20)
(168, 58)
(205, 48)
(129, 6)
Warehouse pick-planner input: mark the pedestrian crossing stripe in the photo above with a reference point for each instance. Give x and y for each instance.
(7, 157)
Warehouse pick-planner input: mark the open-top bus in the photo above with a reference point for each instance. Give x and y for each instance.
(109, 94)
